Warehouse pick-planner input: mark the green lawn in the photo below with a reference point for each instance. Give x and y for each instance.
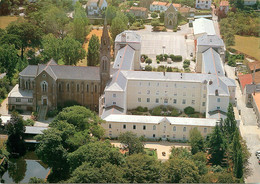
(5, 20)
(151, 152)
(248, 45)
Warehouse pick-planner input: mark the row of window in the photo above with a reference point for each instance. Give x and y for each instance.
(167, 85)
(154, 128)
(165, 101)
(68, 88)
(203, 1)
(30, 100)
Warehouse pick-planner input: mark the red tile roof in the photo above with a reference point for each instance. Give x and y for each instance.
(254, 65)
(224, 3)
(245, 79)
(159, 3)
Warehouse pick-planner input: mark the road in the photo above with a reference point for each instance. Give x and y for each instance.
(249, 130)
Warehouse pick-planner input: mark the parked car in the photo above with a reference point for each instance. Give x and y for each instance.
(257, 152)
(259, 162)
(258, 156)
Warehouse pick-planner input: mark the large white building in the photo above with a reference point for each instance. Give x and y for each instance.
(209, 92)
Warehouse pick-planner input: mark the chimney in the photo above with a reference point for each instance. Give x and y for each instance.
(123, 37)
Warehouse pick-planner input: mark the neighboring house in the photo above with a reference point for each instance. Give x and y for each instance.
(203, 26)
(256, 105)
(159, 6)
(139, 12)
(94, 7)
(203, 4)
(250, 2)
(224, 6)
(51, 85)
(146, 3)
(254, 66)
(171, 17)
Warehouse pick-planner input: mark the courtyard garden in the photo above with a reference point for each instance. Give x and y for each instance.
(168, 110)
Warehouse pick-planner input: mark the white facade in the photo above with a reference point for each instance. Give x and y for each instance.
(159, 6)
(203, 4)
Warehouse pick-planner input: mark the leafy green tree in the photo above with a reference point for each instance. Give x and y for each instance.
(15, 131)
(80, 23)
(11, 39)
(141, 168)
(230, 122)
(95, 153)
(162, 17)
(8, 59)
(200, 160)
(178, 170)
(148, 61)
(196, 141)
(237, 155)
(131, 142)
(217, 146)
(154, 15)
(5, 7)
(131, 17)
(51, 47)
(18, 167)
(182, 153)
(118, 26)
(93, 51)
(29, 34)
(36, 180)
(72, 51)
(110, 14)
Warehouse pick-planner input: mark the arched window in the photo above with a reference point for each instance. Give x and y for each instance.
(87, 88)
(44, 86)
(60, 87)
(68, 87)
(77, 87)
(154, 127)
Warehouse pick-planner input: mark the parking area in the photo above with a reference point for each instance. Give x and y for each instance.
(155, 43)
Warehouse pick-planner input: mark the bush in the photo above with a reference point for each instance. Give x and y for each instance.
(144, 56)
(186, 61)
(165, 56)
(154, 15)
(52, 113)
(158, 61)
(29, 122)
(185, 65)
(177, 58)
(172, 57)
(175, 112)
(34, 115)
(169, 69)
(148, 68)
(175, 30)
(189, 110)
(156, 111)
(148, 61)
(141, 109)
(161, 68)
(159, 57)
(232, 50)
(136, 24)
(164, 29)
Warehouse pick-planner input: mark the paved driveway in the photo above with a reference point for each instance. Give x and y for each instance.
(173, 42)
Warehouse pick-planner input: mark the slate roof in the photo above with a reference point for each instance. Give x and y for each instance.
(212, 62)
(125, 58)
(210, 40)
(63, 71)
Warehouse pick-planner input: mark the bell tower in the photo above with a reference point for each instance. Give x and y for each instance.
(105, 57)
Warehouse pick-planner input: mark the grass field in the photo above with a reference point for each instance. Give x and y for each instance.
(5, 20)
(248, 45)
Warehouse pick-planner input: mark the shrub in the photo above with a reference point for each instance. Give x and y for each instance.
(165, 56)
(186, 61)
(154, 15)
(161, 68)
(177, 58)
(52, 113)
(136, 24)
(159, 57)
(175, 69)
(175, 30)
(194, 115)
(148, 68)
(158, 61)
(156, 111)
(141, 109)
(185, 65)
(28, 122)
(175, 112)
(169, 69)
(148, 61)
(34, 115)
(164, 29)
(189, 110)
(172, 57)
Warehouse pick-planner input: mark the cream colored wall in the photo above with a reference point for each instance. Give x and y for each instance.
(213, 103)
(162, 130)
(182, 91)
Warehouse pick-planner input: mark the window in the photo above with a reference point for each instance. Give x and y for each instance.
(114, 95)
(218, 108)
(183, 101)
(166, 85)
(205, 130)
(87, 88)
(140, 84)
(165, 101)
(157, 100)
(175, 93)
(154, 127)
(153, 135)
(192, 102)
(204, 95)
(44, 86)
(149, 83)
(139, 100)
(124, 126)
(60, 87)
(174, 101)
(110, 126)
(148, 92)
(203, 104)
(134, 127)
(148, 100)
(114, 103)
(206, 6)
(77, 87)
(184, 93)
(144, 127)
(30, 100)
(184, 129)
(158, 84)
(157, 92)
(218, 100)
(174, 128)
(18, 99)
(68, 87)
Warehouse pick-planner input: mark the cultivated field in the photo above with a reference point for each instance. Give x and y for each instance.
(248, 45)
(5, 20)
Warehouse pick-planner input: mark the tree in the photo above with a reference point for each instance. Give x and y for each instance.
(117, 27)
(148, 68)
(155, 23)
(72, 51)
(5, 7)
(154, 15)
(230, 122)
(51, 47)
(36, 180)
(93, 51)
(80, 23)
(196, 141)
(110, 14)
(162, 17)
(178, 170)
(11, 39)
(148, 61)
(15, 131)
(29, 34)
(141, 168)
(8, 59)
(131, 142)
(217, 146)
(237, 155)
(131, 17)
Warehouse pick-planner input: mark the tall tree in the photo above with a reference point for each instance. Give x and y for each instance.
(51, 47)
(110, 14)
(15, 131)
(80, 23)
(131, 142)
(118, 26)
(8, 59)
(93, 51)
(230, 123)
(237, 155)
(72, 51)
(217, 146)
(29, 34)
(196, 141)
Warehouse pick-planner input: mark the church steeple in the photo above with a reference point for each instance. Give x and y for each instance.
(105, 57)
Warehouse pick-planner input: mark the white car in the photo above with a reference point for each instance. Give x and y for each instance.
(258, 156)
(257, 152)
